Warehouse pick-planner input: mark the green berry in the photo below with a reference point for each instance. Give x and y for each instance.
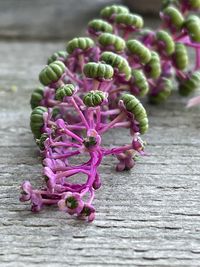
(94, 98)
(56, 56)
(180, 56)
(52, 72)
(192, 25)
(118, 62)
(109, 11)
(98, 70)
(37, 120)
(99, 26)
(136, 48)
(167, 41)
(140, 82)
(65, 90)
(189, 85)
(153, 67)
(130, 20)
(164, 92)
(36, 97)
(175, 17)
(82, 43)
(108, 39)
(133, 105)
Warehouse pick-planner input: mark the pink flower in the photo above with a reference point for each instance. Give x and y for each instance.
(36, 200)
(50, 178)
(71, 203)
(88, 212)
(26, 192)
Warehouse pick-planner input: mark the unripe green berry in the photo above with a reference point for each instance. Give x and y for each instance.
(118, 62)
(130, 20)
(107, 40)
(167, 41)
(98, 26)
(180, 56)
(94, 98)
(133, 105)
(98, 70)
(37, 120)
(192, 25)
(165, 86)
(153, 67)
(56, 56)
(109, 11)
(140, 82)
(189, 85)
(174, 16)
(52, 72)
(65, 90)
(82, 43)
(138, 49)
(36, 97)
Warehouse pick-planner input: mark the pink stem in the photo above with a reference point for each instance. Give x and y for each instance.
(71, 172)
(66, 155)
(117, 150)
(80, 113)
(119, 118)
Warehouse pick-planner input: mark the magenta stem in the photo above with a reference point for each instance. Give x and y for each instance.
(197, 65)
(117, 150)
(119, 118)
(79, 112)
(66, 155)
(73, 135)
(71, 172)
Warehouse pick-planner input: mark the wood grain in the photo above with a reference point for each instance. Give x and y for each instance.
(149, 216)
(47, 19)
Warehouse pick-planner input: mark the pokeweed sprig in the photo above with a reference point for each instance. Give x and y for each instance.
(92, 87)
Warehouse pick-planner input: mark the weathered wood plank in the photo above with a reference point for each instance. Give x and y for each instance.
(147, 217)
(47, 19)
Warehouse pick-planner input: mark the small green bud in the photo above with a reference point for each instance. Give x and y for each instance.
(107, 39)
(165, 86)
(180, 56)
(52, 72)
(167, 41)
(56, 56)
(138, 49)
(98, 70)
(140, 82)
(192, 25)
(189, 85)
(174, 16)
(153, 67)
(65, 90)
(82, 43)
(94, 98)
(133, 105)
(118, 62)
(36, 97)
(98, 26)
(37, 120)
(132, 20)
(109, 11)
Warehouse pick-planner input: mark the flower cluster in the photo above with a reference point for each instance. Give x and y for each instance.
(92, 87)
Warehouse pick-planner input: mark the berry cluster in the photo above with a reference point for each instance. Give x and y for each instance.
(92, 87)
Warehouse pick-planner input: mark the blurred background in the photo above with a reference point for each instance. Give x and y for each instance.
(58, 19)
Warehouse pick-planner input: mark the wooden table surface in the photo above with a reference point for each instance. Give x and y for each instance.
(149, 216)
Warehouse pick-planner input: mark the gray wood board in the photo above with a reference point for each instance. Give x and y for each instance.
(149, 216)
(50, 19)
(47, 19)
